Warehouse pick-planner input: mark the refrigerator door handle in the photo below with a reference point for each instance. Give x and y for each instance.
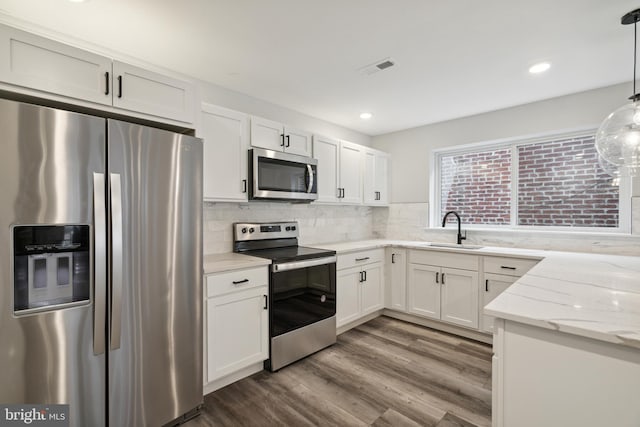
(116, 260)
(99, 264)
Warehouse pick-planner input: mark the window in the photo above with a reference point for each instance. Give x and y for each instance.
(554, 182)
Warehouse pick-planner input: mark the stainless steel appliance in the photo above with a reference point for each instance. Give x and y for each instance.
(100, 267)
(280, 176)
(302, 290)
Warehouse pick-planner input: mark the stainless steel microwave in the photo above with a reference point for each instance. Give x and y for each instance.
(281, 176)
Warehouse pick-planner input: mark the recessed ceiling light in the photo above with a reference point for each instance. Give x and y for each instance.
(366, 116)
(540, 67)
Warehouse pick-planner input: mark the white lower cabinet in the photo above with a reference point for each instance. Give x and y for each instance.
(237, 321)
(441, 292)
(499, 274)
(360, 285)
(397, 279)
(493, 285)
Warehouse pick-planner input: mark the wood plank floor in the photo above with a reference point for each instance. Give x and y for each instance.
(383, 373)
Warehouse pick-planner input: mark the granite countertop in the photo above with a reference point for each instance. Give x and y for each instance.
(591, 295)
(231, 261)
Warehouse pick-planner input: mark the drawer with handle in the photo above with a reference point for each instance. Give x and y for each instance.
(508, 266)
(359, 258)
(237, 280)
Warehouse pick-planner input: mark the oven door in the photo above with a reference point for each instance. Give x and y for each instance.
(302, 293)
(282, 176)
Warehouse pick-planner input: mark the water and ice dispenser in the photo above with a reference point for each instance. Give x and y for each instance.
(51, 266)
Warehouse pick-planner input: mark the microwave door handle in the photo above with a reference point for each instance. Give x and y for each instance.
(116, 260)
(310, 185)
(99, 264)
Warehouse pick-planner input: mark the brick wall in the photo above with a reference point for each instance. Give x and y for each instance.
(560, 183)
(477, 186)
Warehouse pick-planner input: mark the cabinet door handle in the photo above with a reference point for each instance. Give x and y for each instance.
(240, 281)
(437, 276)
(362, 259)
(361, 277)
(119, 86)
(486, 285)
(266, 302)
(106, 79)
(343, 193)
(443, 278)
(365, 276)
(393, 258)
(287, 141)
(506, 267)
(282, 137)
(244, 185)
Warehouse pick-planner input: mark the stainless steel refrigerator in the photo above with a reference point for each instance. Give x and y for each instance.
(100, 267)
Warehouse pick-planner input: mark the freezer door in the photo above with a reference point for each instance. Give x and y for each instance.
(48, 354)
(155, 342)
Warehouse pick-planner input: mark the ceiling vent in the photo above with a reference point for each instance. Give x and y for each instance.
(377, 66)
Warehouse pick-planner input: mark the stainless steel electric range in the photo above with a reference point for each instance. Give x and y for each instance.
(302, 290)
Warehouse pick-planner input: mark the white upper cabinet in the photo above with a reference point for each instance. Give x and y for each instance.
(35, 62)
(278, 137)
(350, 186)
(376, 170)
(141, 90)
(226, 143)
(297, 142)
(267, 134)
(32, 62)
(327, 152)
(350, 173)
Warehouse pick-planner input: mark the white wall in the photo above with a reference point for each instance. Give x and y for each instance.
(410, 149)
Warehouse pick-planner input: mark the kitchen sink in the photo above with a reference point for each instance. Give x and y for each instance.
(453, 245)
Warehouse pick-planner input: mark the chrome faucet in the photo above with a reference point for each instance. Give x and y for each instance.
(460, 236)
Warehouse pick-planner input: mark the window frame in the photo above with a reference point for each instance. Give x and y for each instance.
(624, 208)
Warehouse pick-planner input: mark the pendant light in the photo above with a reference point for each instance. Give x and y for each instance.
(618, 138)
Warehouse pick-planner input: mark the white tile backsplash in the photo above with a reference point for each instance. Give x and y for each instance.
(408, 221)
(318, 223)
(400, 221)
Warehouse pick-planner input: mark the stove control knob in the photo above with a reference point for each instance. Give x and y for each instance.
(293, 228)
(244, 230)
(288, 228)
(251, 230)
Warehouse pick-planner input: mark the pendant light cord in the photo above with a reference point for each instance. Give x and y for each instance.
(635, 49)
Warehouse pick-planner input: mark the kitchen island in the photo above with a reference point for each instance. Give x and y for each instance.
(567, 344)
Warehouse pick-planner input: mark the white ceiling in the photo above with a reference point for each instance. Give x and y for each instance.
(454, 57)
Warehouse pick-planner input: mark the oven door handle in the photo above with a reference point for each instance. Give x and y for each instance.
(296, 265)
